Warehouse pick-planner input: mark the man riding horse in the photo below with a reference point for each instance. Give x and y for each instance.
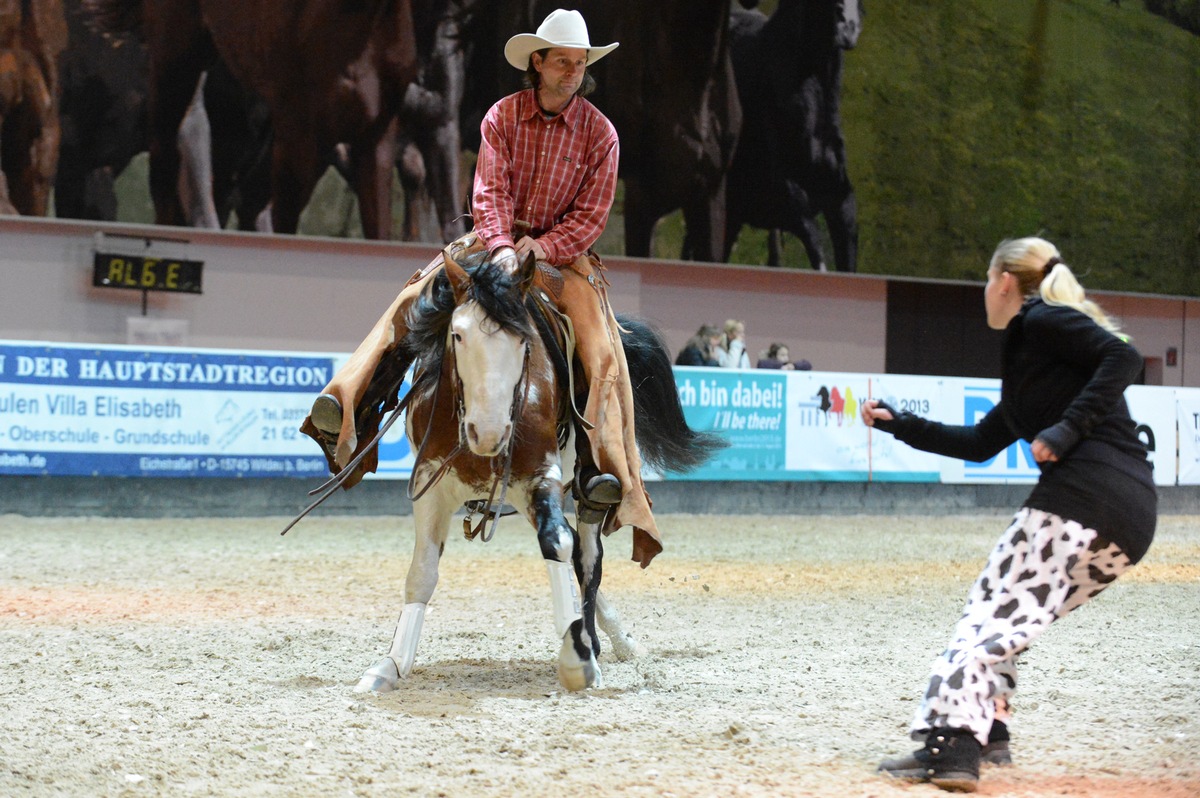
(544, 185)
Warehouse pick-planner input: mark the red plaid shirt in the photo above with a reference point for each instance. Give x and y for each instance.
(559, 175)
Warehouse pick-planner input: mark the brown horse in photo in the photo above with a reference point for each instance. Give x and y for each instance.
(32, 35)
(330, 73)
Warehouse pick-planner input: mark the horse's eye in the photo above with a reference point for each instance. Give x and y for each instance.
(457, 337)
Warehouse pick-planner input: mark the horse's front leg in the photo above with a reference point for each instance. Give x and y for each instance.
(574, 620)
(431, 514)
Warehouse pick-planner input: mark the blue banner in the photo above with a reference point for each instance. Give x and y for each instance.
(748, 409)
(164, 412)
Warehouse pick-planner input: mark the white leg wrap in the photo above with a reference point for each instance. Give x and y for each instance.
(564, 591)
(408, 632)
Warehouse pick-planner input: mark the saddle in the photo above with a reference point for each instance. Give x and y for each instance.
(548, 278)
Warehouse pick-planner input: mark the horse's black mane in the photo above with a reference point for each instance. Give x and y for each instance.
(497, 292)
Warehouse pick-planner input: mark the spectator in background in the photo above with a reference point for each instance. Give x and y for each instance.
(701, 348)
(731, 353)
(777, 356)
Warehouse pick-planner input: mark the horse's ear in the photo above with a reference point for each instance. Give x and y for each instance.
(460, 281)
(528, 273)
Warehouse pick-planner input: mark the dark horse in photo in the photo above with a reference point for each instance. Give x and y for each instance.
(490, 418)
(330, 73)
(33, 33)
(790, 165)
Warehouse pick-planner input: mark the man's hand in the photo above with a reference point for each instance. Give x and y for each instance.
(505, 258)
(527, 245)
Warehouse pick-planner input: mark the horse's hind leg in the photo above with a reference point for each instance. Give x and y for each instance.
(624, 645)
(432, 520)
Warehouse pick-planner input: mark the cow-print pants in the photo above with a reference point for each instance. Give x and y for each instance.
(1042, 568)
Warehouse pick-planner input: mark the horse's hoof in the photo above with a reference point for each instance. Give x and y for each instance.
(625, 648)
(382, 677)
(576, 676)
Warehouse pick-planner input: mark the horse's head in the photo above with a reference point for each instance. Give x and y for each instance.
(489, 334)
(847, 23)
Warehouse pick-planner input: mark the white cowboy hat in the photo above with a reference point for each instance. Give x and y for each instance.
(560, 29)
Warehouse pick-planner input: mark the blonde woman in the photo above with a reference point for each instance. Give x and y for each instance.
(732, 354)
(1090, 516)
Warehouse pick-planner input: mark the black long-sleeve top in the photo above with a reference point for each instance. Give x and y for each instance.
(1063, 380)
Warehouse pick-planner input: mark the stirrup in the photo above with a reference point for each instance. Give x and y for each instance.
(601, 493)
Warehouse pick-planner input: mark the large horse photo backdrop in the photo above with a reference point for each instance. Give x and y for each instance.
(898, 138)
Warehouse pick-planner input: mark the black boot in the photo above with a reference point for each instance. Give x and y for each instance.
(949, 760)
(996, 751)
(595, 493)
(326, 416)
(380, 396)
(600, 493)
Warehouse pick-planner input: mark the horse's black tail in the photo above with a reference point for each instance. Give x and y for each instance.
(664, 438)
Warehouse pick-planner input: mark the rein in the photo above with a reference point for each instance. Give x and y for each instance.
(492, 508)
(330, 486)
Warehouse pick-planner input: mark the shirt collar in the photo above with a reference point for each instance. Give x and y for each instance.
(530, 110)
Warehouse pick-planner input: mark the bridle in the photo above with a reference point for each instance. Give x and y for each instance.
(491, 508)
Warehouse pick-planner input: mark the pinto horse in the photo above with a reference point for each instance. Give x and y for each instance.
(491, 407)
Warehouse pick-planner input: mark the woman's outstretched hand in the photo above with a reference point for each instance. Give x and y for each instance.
(870, 410)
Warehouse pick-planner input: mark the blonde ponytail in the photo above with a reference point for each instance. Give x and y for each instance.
(1036, 264)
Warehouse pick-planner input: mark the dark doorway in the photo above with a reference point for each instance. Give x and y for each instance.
(940, 329)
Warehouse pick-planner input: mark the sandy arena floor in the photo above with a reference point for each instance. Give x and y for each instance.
(213, 657)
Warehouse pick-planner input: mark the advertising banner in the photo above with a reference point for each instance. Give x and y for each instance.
(68, 409)
(396, 458)
(1187, 402)
(966, 402)
(801, 425)
(893, 461)
(969, 400)
(125, 411)
(745, 407)
(827, 440)
(1153, 409)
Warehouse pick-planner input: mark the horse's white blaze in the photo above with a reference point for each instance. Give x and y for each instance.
(490, 362)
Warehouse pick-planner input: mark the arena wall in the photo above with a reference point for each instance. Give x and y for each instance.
(320, 295)
(316, 294)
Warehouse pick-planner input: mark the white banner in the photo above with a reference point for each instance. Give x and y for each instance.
(968, 401)
(173, 412)
(891, 460)
(1153, 410)
(1188, 414)
(826, 438)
